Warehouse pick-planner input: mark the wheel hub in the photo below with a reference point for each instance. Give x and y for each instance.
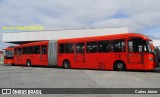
(120, 65)
(66, 65)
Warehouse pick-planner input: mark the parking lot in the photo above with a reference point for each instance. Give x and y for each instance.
(49, 77)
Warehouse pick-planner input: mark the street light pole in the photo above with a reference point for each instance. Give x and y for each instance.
(1, 56)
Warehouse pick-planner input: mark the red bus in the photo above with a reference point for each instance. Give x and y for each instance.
(129, 51)
(9, 55)
(32, 54)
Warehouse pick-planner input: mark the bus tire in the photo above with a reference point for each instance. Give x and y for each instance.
(66, 64)
(28, 63)
(119, 66)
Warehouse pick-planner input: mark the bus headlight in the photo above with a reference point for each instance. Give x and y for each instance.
(150, 58)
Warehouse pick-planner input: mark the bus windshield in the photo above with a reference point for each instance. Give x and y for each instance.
(8, 54)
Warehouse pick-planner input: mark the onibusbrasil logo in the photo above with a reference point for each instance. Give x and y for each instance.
(21, 91)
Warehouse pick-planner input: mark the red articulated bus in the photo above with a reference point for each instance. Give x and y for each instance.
(111, 52)
(9, 55)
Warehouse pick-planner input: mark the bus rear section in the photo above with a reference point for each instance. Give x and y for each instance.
(41, 53)
(113, 52)
(9, 55)
(31, 54)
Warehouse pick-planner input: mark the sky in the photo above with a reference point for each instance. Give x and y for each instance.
(140, 16)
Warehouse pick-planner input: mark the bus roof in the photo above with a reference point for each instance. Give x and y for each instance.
(9, 48)
(33, 43)
(110, 37)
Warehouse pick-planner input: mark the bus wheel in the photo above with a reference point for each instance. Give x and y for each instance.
(66, 64)
(28, 63)
(119, 66)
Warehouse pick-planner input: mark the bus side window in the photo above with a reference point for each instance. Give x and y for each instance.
(104, 46)
(69, 48)
(79, 48)
(43, 49)
(30, 50)
(24, 50)
(61, 48)
(91, 47)
(130, 46)
(19, 51)
(15, 51)
(135, 46)
(118, 45)
(36, 49)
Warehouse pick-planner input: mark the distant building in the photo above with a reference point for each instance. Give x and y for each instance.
(30, 36)
(23, 37)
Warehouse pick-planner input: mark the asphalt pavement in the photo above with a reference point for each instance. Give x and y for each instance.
(51, 77)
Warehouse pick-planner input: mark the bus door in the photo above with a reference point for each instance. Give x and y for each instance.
(19, 55)
(135, 53)
(43, 53)
(79, 53)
